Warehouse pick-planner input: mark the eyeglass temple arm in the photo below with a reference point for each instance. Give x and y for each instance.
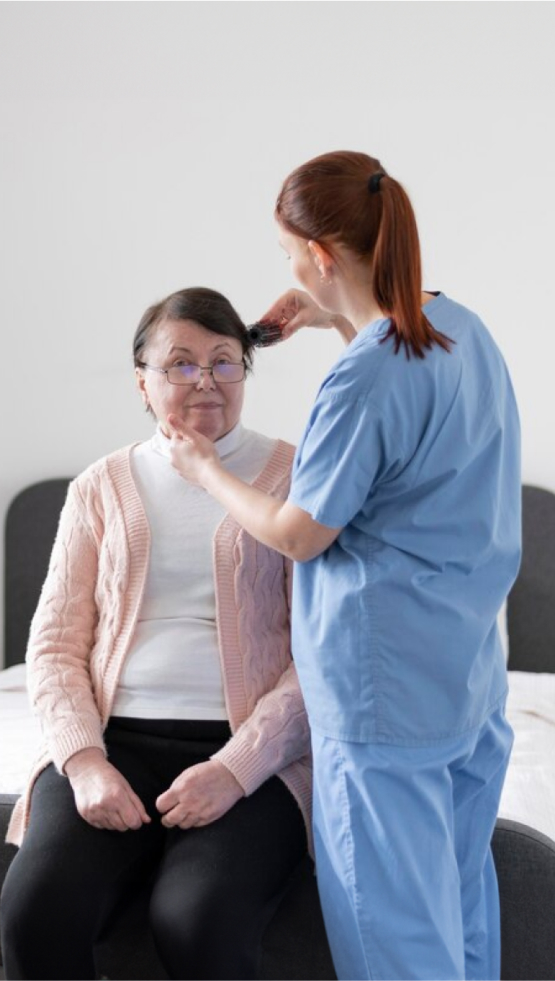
(152, 367)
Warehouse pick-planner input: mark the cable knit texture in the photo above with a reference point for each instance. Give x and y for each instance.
(89, 607)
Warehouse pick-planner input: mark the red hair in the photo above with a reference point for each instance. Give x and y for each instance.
(331, 199)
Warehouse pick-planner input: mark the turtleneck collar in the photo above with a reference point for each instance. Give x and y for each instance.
(224, 446)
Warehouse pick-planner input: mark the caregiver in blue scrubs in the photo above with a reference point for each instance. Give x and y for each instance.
(404, 521)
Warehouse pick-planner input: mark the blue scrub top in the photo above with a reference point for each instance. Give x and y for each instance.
(418, 460)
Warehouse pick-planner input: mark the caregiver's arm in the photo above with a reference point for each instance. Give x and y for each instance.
(278, 524)
(296, 309)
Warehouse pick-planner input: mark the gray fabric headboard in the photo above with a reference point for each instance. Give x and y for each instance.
(32, 521)
(531, 606)
(31, 525)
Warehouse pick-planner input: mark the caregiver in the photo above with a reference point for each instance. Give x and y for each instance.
(404, 521)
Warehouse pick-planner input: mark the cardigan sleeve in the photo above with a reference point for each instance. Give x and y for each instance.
(274, 735)
(277, 732)
(62, 637)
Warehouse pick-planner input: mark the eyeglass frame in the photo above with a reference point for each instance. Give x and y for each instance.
(201, 367)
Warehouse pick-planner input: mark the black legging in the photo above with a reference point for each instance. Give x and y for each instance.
(215, 888)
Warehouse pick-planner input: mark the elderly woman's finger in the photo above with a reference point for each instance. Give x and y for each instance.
(167, 800)
(178, 817)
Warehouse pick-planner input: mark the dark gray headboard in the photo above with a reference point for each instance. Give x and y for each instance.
(31, 525)
(531, 607)
(32, 521)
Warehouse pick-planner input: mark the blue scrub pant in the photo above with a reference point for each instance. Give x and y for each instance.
(404, 864)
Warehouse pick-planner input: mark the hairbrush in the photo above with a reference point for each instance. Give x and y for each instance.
(264, 334)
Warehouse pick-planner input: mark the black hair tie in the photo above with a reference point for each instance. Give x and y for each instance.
(374, 181)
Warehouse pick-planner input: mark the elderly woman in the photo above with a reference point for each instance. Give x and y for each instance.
(159, 662)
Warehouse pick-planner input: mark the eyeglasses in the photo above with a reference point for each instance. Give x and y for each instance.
(222, 372)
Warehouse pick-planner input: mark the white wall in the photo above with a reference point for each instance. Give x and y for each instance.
(142, 146)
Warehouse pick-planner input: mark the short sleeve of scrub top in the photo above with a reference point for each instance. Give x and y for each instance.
(341, 455)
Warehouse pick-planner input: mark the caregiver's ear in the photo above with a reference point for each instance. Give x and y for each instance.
(323, 259)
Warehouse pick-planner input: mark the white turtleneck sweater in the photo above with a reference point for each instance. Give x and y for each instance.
(172, 670)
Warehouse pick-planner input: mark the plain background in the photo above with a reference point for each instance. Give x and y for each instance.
(142, 146)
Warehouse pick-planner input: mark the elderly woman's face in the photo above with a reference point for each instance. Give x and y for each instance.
(212, 409)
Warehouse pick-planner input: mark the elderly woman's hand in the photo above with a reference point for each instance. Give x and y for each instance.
(198, 796)
(296, 309)
(190, 452)
(103, 796)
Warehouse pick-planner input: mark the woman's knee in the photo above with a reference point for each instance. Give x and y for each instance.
(30, 908)
(42, 895)
(47, 930)
(198, 934)
(180, 919)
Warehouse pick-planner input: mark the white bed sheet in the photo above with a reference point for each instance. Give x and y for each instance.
(19, 731)
(529, 791)
(528, 794)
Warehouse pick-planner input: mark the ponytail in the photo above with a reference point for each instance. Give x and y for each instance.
(397, 273)
(346, 197)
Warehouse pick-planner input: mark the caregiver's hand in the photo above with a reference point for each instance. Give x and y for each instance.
(191, 453)
(103, 796)
(296, 309)
(198, 796)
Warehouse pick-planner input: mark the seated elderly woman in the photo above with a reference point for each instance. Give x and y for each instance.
(176, 740)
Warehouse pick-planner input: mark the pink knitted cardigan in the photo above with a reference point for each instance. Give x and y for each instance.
(89, 605)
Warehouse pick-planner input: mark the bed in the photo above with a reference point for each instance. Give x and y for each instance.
(295, 944)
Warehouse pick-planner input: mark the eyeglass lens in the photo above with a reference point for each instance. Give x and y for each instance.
(190, 374)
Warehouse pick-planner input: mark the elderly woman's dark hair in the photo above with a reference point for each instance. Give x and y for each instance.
(206, 307)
